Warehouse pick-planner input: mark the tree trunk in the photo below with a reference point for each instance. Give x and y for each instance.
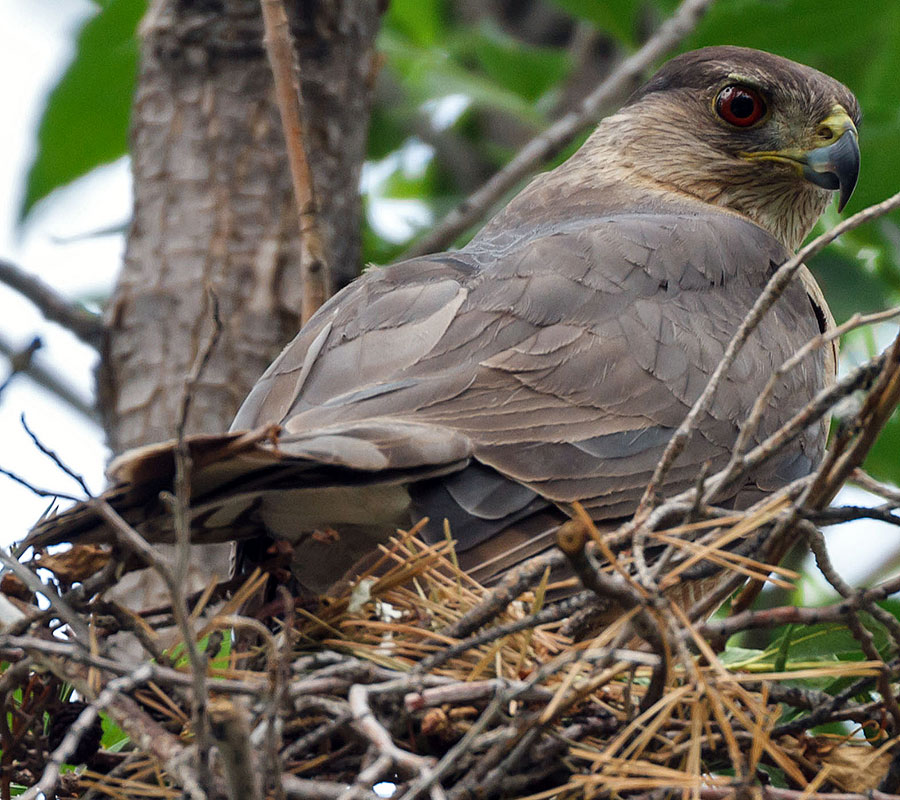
(214, 210)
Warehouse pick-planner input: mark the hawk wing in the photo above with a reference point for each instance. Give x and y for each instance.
(566, 355)
(491, 386)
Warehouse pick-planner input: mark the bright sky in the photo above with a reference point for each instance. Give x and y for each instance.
(56, 245)
(38, 34)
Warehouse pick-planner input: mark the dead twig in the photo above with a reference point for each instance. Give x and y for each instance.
(54, 457)
(774, 289)
(46, 785)
(86, 325)
(48, 380)
(231, 731)
(314, 268)
(388, 754)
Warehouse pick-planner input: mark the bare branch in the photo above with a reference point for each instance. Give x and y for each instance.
(86, 325)
(21, 361)
(231, 730)
(314, 268)
(54, 457)
(36, 585)
(36, 489)
(47, 783)
(564, 130)
(53, 384)
(774, 289)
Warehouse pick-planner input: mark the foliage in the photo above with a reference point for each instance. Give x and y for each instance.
(85, 122)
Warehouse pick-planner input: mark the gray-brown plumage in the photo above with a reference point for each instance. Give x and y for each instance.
(551, 359)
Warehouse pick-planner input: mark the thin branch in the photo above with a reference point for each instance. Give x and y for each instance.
(867, 482)
(231, 730)
(36, 489)
(86, 325)
(314, 269)
(564, 130)
(60, 606)
(759, 407)
(21, 361)
(367, 724)
(174, 579)
(54, 457)
(774, 289)
(53, 384)
(164, 676)
(79, 727)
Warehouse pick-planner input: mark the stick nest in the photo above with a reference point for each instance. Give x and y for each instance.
(417, 681)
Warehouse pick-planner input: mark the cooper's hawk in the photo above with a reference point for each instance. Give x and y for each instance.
(551, 359)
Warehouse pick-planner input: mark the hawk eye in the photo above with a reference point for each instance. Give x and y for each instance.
(740, 106)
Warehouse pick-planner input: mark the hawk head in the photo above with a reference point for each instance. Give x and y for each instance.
(745, 130)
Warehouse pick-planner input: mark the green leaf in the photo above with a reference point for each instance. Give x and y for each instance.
(618, 17)
(883, 461)
(85, 121)
(420, 21)
(848, 286)
(784, 647)
(389, 127)
(829, 642)
(527, 70)
(114, 738)
(431, 73)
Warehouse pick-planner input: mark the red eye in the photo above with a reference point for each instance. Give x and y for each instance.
(740, 106)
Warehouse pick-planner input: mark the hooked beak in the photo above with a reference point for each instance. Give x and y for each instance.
(835, 166)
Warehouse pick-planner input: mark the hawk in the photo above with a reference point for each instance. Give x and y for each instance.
(549, 360)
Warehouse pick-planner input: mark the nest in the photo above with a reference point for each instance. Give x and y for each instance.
(418, 681)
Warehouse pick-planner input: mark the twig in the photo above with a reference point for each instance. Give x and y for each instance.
(816, 542)
(869, 483)
(510, 587)
(231, 731)
(774, 289)
(86, 325)
(161, 675)
(305, 789)
(34, 584)
(367, 724)
(564, 130)
(470, 691)
(759, 407)
(79, 727)
(823, 713)
(54, 457)
(21, 361)
(314, 269)
(36, 489)
(182, 451)
(53, 384)
(175, 580)
(855, 441)
(552, 613)
(571, 538)
(845, 455)
(145, 733)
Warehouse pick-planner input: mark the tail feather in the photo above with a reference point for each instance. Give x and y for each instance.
(245, 484)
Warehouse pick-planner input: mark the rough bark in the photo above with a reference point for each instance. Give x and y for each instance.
(214, 208)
